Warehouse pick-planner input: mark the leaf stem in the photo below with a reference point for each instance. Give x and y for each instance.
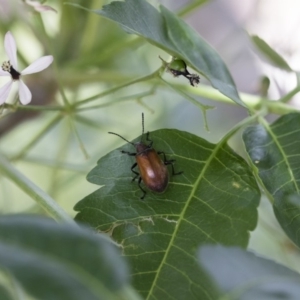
(279, 106)
(155, 74)
(252, 101)
(36, 193)
(16, 107)
(40, 135)
(132, 97)
(289, 95)
(241, 124)
(78, 138)
(204, 108)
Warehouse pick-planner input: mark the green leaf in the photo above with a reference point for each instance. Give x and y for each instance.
(4, 294)
(214, 200)
(54, 261)
(166, 31)
(264, 86)
(241, 275)
(275, 153)
(200, 55)
(275, 58)
(287, 211)
(140, 18)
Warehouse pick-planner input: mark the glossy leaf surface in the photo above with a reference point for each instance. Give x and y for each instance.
(213, 201)
(53, 261)
(275, 153)
(168, 32)
(241, 275)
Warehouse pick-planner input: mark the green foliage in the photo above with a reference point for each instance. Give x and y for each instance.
(160, 235)
(275, 58)
(5, 294)
(60, 261)
(150, 248)
(274, 152)
(167, 31)
(241, 275)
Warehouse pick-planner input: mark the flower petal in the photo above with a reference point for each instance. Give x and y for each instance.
(24, 93)
(38, 65)
(11, 49)
(4, 91)
(4, 73)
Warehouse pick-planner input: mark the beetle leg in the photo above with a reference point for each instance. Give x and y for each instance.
(166, 161)
(144, 192)
(148, 139)
(169, 162)
(139, 182)
(128, 153)
(135, 172)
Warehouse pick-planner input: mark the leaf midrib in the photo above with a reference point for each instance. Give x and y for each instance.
(285, 159)
(181, 216)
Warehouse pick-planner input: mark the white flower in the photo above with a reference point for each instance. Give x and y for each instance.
(10, 67)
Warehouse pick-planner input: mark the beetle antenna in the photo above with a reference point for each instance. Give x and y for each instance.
(142, 125)
(121, 138)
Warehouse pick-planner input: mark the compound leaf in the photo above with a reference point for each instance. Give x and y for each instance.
(214, 201)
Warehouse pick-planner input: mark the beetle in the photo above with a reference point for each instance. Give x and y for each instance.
(153, 169)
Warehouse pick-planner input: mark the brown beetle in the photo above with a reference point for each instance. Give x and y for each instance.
(153, 170)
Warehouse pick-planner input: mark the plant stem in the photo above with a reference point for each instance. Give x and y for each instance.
(13, 107)
(78, 138)
(36, 193)
(40, 135)
(279, 107)
(289, 95)
(252, 101)
(204, 108)
(241, 124)
(132, 97)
